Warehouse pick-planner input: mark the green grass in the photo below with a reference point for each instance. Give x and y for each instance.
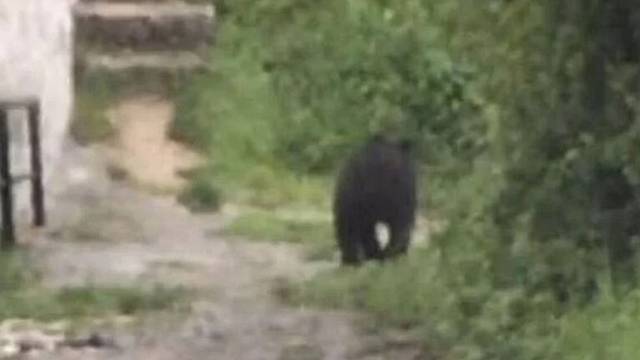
(24, 297)
(257, 186)
(397, 292)
(81, 302)
(271, 188)
(316, 235)
(412, 293)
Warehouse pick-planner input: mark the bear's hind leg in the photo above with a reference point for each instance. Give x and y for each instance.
(370, 244)
(348, 242)
(399, 241)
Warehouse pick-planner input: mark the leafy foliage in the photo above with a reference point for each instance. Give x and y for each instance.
(525, 116)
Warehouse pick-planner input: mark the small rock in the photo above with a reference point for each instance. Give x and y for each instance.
(29, 344)
(8, 349)
(28, 341)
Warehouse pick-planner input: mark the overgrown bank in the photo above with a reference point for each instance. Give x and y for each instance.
(525, 116)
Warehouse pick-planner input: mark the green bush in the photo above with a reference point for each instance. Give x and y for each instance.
(360, 71)
(336, 73)
(202, 194)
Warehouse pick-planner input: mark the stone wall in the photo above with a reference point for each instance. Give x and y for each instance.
(36, 43)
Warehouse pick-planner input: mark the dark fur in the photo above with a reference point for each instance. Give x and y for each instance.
(376, 185)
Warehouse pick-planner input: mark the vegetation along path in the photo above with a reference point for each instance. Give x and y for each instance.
(107, 231)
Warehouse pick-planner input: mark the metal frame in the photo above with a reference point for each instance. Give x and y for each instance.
(7, 180)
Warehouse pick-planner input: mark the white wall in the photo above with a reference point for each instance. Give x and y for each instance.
(36, 41)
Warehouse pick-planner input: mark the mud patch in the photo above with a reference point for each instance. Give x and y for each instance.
(102, 223)
(142, 149)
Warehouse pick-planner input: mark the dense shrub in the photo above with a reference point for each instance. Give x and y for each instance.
(339, 71)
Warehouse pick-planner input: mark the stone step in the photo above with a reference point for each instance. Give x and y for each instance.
(145, 26)
(161, 61)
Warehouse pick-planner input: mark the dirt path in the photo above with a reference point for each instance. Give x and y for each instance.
(142, 149)
(106, 232)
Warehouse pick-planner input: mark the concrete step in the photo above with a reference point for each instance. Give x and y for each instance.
(161, 61)
(148, 26)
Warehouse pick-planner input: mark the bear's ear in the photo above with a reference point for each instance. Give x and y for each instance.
(406, 145)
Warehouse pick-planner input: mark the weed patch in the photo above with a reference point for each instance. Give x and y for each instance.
(315, 235)
(23, 297)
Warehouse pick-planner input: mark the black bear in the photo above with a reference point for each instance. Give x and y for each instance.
(376, 185)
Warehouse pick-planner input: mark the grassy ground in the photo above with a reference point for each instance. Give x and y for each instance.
(23, 296)
(313, 233)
